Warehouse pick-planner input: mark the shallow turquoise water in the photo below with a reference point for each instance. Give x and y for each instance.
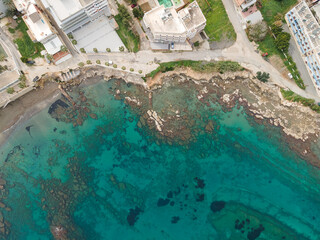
(88, 179)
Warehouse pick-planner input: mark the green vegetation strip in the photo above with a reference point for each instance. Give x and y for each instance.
(129, 39)
(26, 46)
(198, 66)
(293, 97)
(271, 11)
(218, 26)
(270, 8)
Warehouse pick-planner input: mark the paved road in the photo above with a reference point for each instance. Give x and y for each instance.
(296, 56)
(13, 50)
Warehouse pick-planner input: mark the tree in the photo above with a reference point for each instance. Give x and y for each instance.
(82, 50)
(108, 50)
(63, 48)
(138, 13)
(282, 41)
(49, 57)
(121, 48)
(95, 50)
(263, 77)
(24, 59)
(74, 42)
(276, 30)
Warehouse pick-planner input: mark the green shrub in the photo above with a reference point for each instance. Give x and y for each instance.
(140, 71)
(89, 62)
(11, 30)
(131, 69)
(10, 90)
(95, 50)
(263, 77)
(123, 68)
(70, 36)
(22, 84)
(196, 44)
(82, 50)
(80, 64)
(292, 96)
(115, 65)
(98, 62)
(107, 64)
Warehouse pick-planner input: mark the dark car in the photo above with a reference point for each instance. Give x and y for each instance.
(133, 5)
(30, 62)
(172, 45)
(36, 79)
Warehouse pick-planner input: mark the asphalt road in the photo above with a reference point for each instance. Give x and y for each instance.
(13, 50)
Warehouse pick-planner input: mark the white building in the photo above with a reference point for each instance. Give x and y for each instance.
(40, 30)
(306, 32)
(166, 25)
(73, 14)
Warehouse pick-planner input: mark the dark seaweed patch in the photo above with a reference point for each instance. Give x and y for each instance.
(199, 183)
(133, 215)
(255, 233)
(216, 206)
(175, 219)
(162, 202)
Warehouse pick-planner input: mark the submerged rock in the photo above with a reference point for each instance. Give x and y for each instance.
(217, 206)
(162, 202)
(133, 215)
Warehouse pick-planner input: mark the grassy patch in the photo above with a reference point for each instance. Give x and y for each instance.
(129, 39)
(199, 66)
(293, 97)
(267, 45)
(270, 8)
(2, 51)
(218, 25)
(26, 46)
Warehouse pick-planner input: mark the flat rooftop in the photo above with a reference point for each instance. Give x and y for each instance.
(192, 16)
(39, 28)
(64, 8)
(164, 20)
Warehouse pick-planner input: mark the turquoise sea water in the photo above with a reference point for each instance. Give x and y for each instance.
(114, 178)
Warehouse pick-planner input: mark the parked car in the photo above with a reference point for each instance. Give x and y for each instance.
(30, 62)
(172, 45)
(133, 5)
(290, 75)
(36, 79)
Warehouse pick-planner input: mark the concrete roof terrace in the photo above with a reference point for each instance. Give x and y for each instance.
(33, 18)
(64, 8)
(192, 16)
(164, 20)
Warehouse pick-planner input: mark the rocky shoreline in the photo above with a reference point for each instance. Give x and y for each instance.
(262, 100)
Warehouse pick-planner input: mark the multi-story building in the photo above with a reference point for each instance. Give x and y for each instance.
(40, 30)
(306, 32)
(73, 14)
(166, 25)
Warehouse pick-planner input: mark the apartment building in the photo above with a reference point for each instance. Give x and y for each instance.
(306, 33)
(71, 15)
(166, 25)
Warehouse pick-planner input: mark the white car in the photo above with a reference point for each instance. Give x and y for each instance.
(110, 62)
(290, 75)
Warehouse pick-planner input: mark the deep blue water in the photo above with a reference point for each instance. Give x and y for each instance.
(115, 178)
